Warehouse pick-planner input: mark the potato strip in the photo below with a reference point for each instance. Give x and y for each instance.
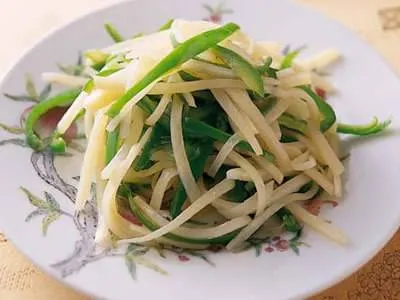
(197, 233)
(178, 146)
(91, 160)
(240, 174)
(321, 180)
(163, 182)
(69, 117)
(206, 199)
(256, 178)
(326, 150)
(276, 174)
(280, 107)
(261, 219)
(304, 162)
(163, 88)
(88, 121)
(117, 176)
(242, 99)
(227, 105)
(223, 154)
(318, 224)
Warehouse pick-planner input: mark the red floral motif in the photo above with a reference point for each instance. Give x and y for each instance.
(216, 13)
(269, 249)
(281, 245)
(183, 258)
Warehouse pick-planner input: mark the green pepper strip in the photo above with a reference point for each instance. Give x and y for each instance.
(108, 72)
(290, 57)
(267, 70)
(289, 221)
(89, 86)
(181, 54)
(288, 139)
(197, 128)
(290, 122)
(374, 127)
(147, 222)
(197, 166)
(167, 25)
(112, 145)
(62, 99)
(244, 69)
(143, 161)
(329, 116)
(113, 33)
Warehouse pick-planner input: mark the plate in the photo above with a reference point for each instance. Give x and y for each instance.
(36, 210)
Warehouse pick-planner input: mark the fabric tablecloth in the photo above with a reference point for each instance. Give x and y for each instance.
(22, 22)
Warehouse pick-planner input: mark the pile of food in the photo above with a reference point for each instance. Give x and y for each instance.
(199, 136)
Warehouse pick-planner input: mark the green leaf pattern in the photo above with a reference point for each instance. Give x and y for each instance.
(12, 129)
(48, 208)
(30, 87)
(32, 94)
(135, 255)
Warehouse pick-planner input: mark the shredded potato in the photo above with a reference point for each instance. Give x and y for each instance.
(91, 160)
(240, 122)
(192, 86)
(200, 136)
(207, 198)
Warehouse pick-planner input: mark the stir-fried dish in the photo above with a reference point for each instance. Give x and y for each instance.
(198, 136)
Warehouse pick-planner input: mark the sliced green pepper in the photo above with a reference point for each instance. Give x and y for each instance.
(290, 122)
(244, 69)
(62, 99)
(181, 54)
(267, 70)
(89, 86)
(113, 33)
(112, 145)
(374, 127)
(108, 72)
(167, 25)
(287, 139)
(197, 128)
(187, 76)
(290, 57)
(143, 161)
(329, 116)
(289, 221)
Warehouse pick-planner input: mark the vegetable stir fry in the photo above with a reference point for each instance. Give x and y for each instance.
(199, 136)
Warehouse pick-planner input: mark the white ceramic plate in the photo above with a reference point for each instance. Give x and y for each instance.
(369, 212)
